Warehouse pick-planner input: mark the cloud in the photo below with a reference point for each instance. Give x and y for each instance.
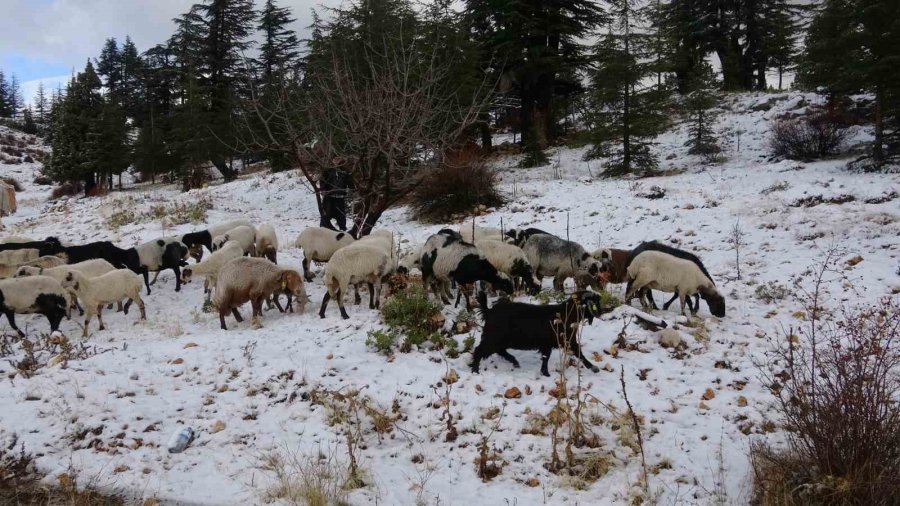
(29, 88)
(65, 33)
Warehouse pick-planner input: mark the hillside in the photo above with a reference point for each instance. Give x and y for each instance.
(108, 412)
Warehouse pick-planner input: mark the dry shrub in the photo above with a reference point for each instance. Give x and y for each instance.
(814, 136)
(837, 385)
(65, 190)
(457, 187)
(13, 182)
(308, 480)
(43, 180)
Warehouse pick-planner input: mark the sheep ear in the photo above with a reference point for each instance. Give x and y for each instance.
(69, 276)
(160, 242)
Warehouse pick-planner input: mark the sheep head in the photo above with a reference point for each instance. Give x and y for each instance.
(290, 282)
(714, 300)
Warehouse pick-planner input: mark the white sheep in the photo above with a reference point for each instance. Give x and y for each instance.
(15, 239)
(9, 270)
(319, 244)
(33, 295)
(225, 226)
(212, 264)
(254, 280)
(19, 256)
(353, 265)
(479, 233)
(668, 273)
(90, 268)
(446, 258)
(510, 260)
(110, 287)
(244, 235)
(267, 243)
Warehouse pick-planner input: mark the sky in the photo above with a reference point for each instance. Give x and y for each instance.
(45, 40)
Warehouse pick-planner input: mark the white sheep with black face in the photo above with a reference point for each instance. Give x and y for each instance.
(666, 272)
(446, 259)
(33, 295)
(319, 244)
(267, 243)
(553, 256)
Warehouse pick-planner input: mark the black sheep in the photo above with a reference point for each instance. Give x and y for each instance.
(120, 258)
(49, 246)
(195, 241)
(520, 326)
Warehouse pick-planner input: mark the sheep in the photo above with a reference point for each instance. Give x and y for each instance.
(510, 260)
(351, 265)
(120, 258)
(49, 246)
(13, 239)
(90, 268)
(195, 241)
(658, 246)
(616, 263)
(19, 256)
(553, 256)
(523, 326)
(669, 273)
(245, 279)
(244, 235)
(519, 236)
(319, 244)
(211, 266)
(161, 254)
(33, 295)
(267, 243)
(449, 232)
(9, 270)
(473, 233)
(111, 287)
(410, 260)
(445, 258)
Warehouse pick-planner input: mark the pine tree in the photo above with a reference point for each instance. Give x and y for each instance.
(782, 34)
(14, 98)
(109, 68)
(698, 106)
(853, 46)
(75, 156)
(41, 104)
(109, 148)
(131, 69)
(535, 43)
(279, 49)
(625, 111)
(4, 96)
(28, 124)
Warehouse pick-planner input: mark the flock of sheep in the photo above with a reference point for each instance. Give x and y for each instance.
(50, 278)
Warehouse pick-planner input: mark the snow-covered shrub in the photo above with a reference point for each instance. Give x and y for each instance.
(411, 313)
(457, 187)
(808, 138)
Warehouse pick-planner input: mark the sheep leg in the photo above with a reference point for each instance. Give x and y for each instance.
(378, 286)
(256, 304)
(545, 358)
(667, 304)
(306, 272)
(140, 303)
(11, 316)
(559, 283)
(278, 305)
(127, 305)
(79, 308)
(177, 270)
(100, 316)
(340, 300)
(576, 350)
(371, 295)
(356, 298)
(511, 359)
(222, 312)
(146, 275)
(481, 352)
(445, 291)
(649, 294)
(155, 275)
(119, 308)
(696, 306)
(324, 304)
(681, 298)
(237, 315)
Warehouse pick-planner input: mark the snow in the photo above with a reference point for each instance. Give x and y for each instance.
(142, 380)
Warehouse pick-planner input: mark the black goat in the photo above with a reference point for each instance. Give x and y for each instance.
(520, 326)
(675, 252)
(49, 246)
(120, 258)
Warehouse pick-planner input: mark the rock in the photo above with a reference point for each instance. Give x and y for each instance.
(513, 393)
(703, 406)
(191, 345)
(479, 388)
(219, 426)
(178, 361)
(527, 390)
(708, 394)
(451, 377)
(669, 338)
(855, 260)
(532, 482)
(742, 401)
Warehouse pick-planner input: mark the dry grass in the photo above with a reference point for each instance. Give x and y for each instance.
(308, 480)
(458, 187)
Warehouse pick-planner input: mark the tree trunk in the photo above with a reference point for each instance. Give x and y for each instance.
(877, 148)
(484, 128)
(363, 224)
(227, 172)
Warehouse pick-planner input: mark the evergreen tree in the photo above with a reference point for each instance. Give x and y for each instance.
(853, 46)
(14, 99)
(279, 49)
(698, 106)
(28, 124)
(4, 96)
(535, 43)
(131, 93)
(41, 104)
(782, 33)
(108, 144)
(626, 112)
(109, 68)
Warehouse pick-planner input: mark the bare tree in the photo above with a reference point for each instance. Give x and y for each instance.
(387, 122)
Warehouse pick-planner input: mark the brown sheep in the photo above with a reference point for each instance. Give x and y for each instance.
(616, 263)
(253, 280)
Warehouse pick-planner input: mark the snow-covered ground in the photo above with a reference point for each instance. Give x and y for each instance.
(109, 415)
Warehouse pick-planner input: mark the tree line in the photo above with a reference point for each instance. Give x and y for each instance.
(382, 88)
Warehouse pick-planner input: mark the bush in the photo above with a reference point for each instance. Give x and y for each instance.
(836, 386)
(42, 180)
(13, 182)
(412, 314)
(382, 341)
(457, 187)
(814, 136)
(65, 190)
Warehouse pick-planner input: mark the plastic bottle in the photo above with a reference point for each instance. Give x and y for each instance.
(180, 439)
